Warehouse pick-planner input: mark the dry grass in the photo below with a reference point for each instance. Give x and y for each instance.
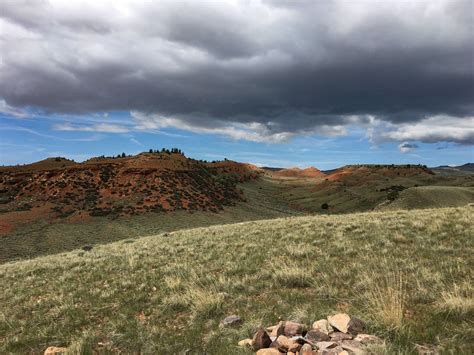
(171, 291)
(386, 297)
(459, 299)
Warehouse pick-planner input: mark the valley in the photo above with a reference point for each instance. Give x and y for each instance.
(58, 205)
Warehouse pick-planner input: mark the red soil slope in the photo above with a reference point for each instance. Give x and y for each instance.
(310, 172)
(353, 175)
(58, 188)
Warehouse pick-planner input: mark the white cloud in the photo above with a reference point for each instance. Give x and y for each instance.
(251, 131)
(99, 127)
(434, 129)
(12, 111)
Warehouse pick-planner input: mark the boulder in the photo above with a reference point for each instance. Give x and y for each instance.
(246, 342)
(323, 326)
(53, 350)
(292, 328)
(261, 340)
(315, 335)
(340, 321)
(231, 321)
(355, 326)
(269, 351)
(339, 336)
(368, 339)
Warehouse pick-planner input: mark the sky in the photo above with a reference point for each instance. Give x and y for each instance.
(274, 83)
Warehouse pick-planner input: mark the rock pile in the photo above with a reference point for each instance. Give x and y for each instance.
(339, 334)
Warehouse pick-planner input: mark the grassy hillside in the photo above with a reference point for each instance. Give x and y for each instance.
(265, 198)
(33, 239)
(407, 273)
(431, 197)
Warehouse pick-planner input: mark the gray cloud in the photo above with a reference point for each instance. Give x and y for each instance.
(407, 147)
(271, 69)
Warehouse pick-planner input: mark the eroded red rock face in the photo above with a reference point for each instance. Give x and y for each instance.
(310, 172)
(147, 182)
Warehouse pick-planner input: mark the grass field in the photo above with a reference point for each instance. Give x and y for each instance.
(407, 273)
(432, 197)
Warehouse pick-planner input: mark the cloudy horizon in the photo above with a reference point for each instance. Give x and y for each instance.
(322, 83)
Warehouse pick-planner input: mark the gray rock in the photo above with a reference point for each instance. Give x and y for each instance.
(315, 335)
(355, 326)
(231, 321)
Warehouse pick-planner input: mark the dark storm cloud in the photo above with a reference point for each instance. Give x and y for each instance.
(275, 67)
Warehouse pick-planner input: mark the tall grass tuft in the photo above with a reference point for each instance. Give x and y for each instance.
(385, 294)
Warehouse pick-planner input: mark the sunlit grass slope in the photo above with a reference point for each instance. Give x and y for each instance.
(432, 197)
(407, 273)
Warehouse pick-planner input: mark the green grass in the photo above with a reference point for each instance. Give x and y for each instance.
(432, 197)
(407, 273)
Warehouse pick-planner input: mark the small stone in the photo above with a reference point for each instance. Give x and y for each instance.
(323, 326)
(283, 343)
(355, 326)
(339, 336)
(354, 347)
(231, 321)
(294, 347)
(368, 339)
(315, 335)
(261, 340)
(269, 351)
(340, 321)
(426, 349)
(292, 328)
(332, 351)
(306, 349)
(246, 342)
(278, 329)
(325, 345)
(53, 350)
(343, 353)
(270, 328)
